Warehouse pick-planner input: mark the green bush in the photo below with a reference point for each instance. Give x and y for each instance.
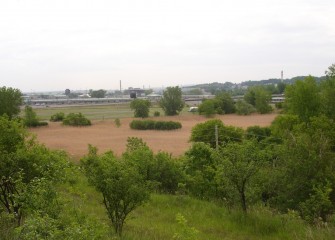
(117, 122)
(154, 125)
(76, 119)
(57, 117)
(279, 105)
(157, 114)
(244, 108)
(30, 118)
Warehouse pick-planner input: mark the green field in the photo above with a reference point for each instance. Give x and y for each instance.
(95, 112)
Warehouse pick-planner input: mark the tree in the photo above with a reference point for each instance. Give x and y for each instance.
(263, 99)
(140, 107)
(258, 133)
(67, 92)
(328, 93)
(30, 117)
(303, 99)
(167, 172)
(244, 108)
(250, 96)
(10, 101)
(172, 102)
(123, 188)
(98, 93)
(205, 132)
(226, 102)
(330, 73)
(24, 165)
(281, 87)
(207, 108)
(200, 167)
(259, 97)
(305, 170)
(240, 164)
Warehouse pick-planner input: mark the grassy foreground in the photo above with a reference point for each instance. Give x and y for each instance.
(157, 219)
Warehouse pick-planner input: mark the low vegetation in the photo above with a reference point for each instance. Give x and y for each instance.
(76, 119)
(30, 118)
(57, 117)
(154, 125)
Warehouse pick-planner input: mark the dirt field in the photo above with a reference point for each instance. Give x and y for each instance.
(106, 136)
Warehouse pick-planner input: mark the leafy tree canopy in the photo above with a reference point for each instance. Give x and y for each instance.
(172, 102)
(205, 132)
(122, 186)
(97, 93)
(24, 167)
(10, 101)
(140, 107)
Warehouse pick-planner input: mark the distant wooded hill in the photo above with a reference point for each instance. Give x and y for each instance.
(239, 88)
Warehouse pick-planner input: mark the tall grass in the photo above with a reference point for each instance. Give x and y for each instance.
(157, 218)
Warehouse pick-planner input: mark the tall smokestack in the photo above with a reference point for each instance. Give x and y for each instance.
(120, 86)
(282, 75)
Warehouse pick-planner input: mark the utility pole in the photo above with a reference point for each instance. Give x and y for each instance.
(216, 138)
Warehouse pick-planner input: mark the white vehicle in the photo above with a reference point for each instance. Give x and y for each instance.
(193, 109)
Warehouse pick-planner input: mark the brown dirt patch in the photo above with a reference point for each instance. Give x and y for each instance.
(106, 136)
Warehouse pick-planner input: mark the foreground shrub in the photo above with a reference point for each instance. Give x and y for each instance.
(154, 125)
(76, 119)
(57, 117)
(122, 186)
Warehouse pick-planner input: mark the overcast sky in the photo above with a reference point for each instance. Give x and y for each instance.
(83, 44)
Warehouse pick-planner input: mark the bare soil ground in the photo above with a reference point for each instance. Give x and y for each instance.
(106, 136)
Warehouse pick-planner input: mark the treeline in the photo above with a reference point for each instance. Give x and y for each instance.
(239, 88)
(255, 99)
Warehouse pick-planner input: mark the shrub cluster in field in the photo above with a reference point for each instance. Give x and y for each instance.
(72, 119)
(57, 117)
(76, 119)
(154, 125)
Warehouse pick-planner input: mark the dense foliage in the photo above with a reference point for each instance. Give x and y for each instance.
(26, 170)
(244, 108)
(221, 104)
(123, 188)
(97, 93)
(154, 125)
(171, 101)
(259, 97)
(57, 117)
(140, 107)
(205, 132)
(10, 101)
(76, 119)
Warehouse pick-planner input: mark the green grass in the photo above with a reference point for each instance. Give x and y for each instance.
(157, 218)
(92, 112)
(96, 112)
